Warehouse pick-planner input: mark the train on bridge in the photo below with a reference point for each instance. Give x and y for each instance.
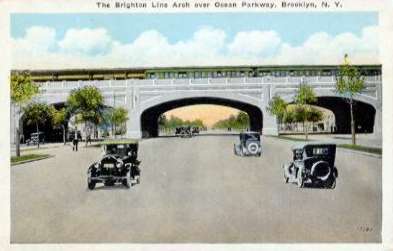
(194, 72)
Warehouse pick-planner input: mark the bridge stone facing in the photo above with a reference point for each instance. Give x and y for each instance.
(139, 95)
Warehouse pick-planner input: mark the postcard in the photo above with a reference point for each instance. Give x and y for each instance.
(196, 124)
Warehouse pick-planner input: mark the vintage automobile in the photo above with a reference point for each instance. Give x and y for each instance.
(118, 164)
(249, 145)
(313, 163)
(35, 137)
(195, 130)
(183, 131)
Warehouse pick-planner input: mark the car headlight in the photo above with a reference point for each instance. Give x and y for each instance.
(118, 164)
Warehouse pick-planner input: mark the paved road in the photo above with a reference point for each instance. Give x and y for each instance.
(195, 190)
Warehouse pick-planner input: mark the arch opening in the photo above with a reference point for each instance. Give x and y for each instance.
(50, 133)
(364, 114)
(149, 118)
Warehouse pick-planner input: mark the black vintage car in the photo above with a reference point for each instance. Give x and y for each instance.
(183, 131)
(249, 145)
(35, 137)
(119, 164)
(313, 163)
(195, 130)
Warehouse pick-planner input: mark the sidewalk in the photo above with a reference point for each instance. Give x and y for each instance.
(368, 140)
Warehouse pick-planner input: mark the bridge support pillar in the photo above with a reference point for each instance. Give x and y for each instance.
(378, 125)
(269, 124)
(134, 125)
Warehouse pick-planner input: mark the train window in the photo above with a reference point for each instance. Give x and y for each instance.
(197, 74)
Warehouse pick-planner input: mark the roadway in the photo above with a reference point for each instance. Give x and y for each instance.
(194, 190)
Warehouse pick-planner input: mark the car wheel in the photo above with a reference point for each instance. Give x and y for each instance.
(127, 180)
(300, 180)
(91, 184)
(331, 183)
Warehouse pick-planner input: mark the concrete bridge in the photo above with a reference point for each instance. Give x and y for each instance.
(148, 98)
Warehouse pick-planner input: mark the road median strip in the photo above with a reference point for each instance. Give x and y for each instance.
(28, 158)
(358, 148)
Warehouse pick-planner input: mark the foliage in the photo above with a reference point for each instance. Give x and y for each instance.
(277, 106)
(240, 121)
(22, 88)
(38, 113)
(174, 122)
(305, 95)
(119, 116)
(88, 104)
(349, 80)
(22, 91)
(59, 117)
(303, 111)
(349, 83)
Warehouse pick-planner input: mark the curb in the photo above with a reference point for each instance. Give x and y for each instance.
(31, 160)
(375, 155)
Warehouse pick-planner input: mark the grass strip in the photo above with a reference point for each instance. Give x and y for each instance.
(367, 149)
(28, 158)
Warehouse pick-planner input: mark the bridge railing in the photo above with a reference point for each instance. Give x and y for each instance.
(202, 81)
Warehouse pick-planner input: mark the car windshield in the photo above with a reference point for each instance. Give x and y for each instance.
(251, 137)
(117, 149)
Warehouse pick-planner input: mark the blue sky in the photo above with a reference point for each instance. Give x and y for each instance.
(293, 27)
(79, 40)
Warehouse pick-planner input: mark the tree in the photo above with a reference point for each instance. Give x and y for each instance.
(88, 103)
(304, 97)
(22, 91)
(38, 113)
(277, 107)
(59, 119)
(349, 83)
(119, 117)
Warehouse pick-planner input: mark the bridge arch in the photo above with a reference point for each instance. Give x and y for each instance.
(149, 116)
(364, 111)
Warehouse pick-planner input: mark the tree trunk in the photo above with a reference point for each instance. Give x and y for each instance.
(64, 134)
(17, 139)
(38, 135)
(17, 150)
(305, 131)
(86, 134)
(352, 123)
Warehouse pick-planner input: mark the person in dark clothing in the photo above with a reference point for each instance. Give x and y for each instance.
(76, 144)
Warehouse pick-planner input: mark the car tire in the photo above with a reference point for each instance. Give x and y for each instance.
(331, 183)
(127, 180)
(300, 180)
(253, 148)
(91, 184)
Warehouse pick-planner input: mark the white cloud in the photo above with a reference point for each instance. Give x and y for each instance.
(36, 40)
(92, 48)
(85, 40)
(253, 43)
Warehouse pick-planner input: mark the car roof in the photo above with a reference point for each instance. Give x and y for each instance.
(301, 145)
(120, 142)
